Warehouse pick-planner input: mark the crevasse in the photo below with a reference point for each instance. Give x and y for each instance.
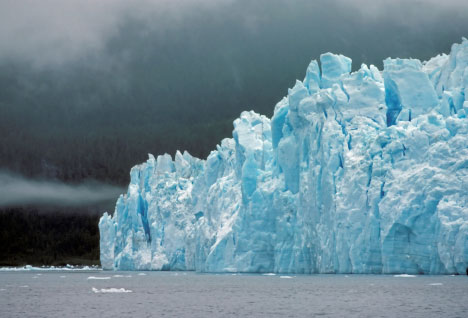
(363, 172)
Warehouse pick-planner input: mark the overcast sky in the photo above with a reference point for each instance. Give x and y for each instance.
(57, 31)
(88, 88)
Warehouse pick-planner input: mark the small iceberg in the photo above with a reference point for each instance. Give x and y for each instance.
(404, 275)
(99, 277)
(111, 290)
(122, 276)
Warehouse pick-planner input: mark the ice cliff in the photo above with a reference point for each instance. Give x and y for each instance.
(363, 172)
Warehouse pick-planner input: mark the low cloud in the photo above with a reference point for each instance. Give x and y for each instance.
(16, 190)
(58, 31)
(53, 32)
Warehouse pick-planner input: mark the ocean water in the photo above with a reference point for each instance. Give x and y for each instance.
(187, 294)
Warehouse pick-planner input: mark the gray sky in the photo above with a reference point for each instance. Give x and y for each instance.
(57, 31)
(88, 88)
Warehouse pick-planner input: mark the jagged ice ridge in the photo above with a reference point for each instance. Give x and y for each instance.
(363, 172)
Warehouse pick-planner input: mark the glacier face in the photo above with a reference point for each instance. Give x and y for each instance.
(363, 172)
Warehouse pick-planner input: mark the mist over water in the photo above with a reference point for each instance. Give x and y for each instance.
(16, 190)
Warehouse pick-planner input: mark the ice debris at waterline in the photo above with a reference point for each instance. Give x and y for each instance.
(363, 172)
(51, 268)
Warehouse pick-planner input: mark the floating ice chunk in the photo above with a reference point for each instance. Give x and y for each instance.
(404, 275)
(436, 284)
(141, 274)
(269, 274)
(99, 277)
(111, 290)
(285, 276)
(122, 276)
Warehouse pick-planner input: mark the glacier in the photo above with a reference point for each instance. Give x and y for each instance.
(356, 172)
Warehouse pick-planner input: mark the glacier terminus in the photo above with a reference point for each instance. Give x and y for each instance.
(356, 172)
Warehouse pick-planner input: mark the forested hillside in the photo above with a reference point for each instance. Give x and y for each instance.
(48, 237)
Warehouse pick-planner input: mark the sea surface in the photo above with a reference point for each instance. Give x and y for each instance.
(96, 293)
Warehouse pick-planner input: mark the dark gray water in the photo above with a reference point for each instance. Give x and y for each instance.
(187, 294)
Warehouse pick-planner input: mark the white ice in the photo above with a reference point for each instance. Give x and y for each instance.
(98, 277)
(111, 290)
